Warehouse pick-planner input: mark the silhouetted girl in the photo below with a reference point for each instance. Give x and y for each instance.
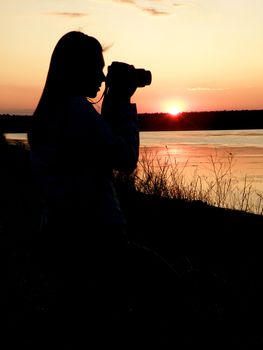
(74, 151)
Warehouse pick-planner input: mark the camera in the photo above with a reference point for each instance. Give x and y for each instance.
(125, 74)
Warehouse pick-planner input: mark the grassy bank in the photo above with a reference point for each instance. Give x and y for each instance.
(215, 253)
(164, 177)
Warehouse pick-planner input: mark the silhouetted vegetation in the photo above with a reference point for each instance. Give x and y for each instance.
(15, 123)
(218, 120)
(164, 178)
(215, 120)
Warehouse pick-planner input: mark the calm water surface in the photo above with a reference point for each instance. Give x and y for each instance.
(215, 138)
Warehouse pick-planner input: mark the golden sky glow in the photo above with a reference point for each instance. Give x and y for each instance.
(203, 54)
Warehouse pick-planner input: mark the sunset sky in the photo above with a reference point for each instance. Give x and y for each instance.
(203, 54)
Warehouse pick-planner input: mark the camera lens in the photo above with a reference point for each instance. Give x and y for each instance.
(120, 73)
(144, 77)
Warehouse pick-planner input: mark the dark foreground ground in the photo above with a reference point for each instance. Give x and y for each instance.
(199, 281)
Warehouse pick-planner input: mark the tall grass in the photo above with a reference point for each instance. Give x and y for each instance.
(164, 177)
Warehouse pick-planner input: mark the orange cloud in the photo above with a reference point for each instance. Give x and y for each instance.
(69, 14)
(198, 89)
(126, 1)
(155, 8)
(152, 11)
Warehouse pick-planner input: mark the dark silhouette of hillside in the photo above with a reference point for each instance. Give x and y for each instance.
(216, 253)
(215, 120)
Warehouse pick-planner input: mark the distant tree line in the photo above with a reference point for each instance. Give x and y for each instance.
(10, 123)
(217, 120)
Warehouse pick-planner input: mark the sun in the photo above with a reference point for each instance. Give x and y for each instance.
(174, 107)
(174, 110)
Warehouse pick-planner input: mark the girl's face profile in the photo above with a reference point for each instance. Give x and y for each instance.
(93, 76)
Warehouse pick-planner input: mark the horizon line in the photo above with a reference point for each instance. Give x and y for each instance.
(157, 112)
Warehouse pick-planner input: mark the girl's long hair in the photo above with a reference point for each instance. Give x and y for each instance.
(72, 53)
